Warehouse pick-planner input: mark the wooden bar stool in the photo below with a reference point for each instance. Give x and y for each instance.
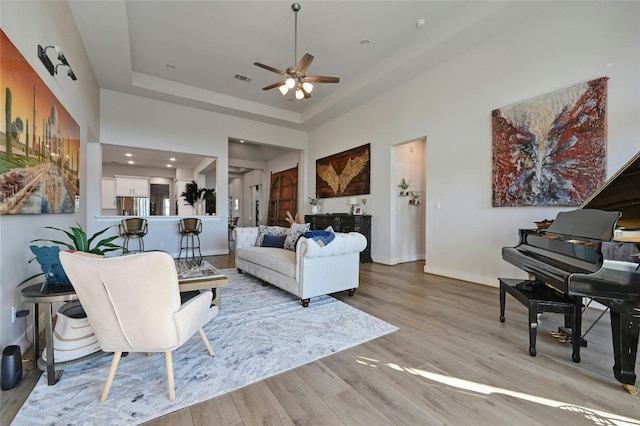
(190, 229)
(133, 228)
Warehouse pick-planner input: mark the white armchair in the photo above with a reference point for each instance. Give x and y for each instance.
(133, 304)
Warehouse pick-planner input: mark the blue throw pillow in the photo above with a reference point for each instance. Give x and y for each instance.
(273, 241)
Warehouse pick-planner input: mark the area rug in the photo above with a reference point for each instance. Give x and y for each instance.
(260, 331)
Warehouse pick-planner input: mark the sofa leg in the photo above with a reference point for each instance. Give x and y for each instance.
(352, 291)
(305, 302)
(239, 270)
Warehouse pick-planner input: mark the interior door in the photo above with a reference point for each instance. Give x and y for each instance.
(282, 196)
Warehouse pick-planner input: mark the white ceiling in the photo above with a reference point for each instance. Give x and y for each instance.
(130, 43)
(152, 158)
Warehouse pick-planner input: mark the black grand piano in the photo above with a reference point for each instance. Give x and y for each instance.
(590, 252)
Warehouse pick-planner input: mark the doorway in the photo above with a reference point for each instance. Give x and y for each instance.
(408, 215)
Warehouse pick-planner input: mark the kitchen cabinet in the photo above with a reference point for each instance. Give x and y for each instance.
(108, 194)
(127, 186)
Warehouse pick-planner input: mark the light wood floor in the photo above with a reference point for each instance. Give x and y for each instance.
(452, 362)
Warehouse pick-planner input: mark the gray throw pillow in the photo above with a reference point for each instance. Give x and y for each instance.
(271, 230)
(295, 232)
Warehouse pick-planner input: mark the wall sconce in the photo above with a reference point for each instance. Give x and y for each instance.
(42, 54)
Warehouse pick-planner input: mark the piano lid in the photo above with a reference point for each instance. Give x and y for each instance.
(620, 193)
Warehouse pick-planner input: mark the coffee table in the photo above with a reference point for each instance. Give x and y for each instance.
(201, 276)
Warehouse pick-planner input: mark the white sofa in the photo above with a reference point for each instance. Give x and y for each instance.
(312, 270)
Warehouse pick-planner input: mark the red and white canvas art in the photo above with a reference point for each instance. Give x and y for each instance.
(551, 150)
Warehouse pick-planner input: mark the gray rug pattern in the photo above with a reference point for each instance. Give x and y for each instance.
(259, 332)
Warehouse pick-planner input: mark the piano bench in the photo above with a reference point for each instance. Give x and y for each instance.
(541, 298)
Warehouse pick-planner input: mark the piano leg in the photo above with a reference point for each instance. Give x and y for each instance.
(533, 328)
(576, 329)
(625, 330)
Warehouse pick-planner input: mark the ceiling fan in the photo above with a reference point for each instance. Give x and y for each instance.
(294, 77)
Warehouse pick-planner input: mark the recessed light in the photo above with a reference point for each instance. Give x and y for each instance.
(420, 23)
(169, 165)
(364, 42)
(241, 141)
(128, 155)
(130, 162)
(172, 159)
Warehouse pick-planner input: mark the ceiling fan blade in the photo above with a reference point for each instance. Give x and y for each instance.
(304, 63)
(306, 94)
(321, 79)
(268, 68)
(274, 85)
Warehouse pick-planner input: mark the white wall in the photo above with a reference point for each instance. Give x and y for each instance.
(573, 42)
(28, 24)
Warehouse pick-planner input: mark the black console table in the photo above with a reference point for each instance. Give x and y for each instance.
(343, 222)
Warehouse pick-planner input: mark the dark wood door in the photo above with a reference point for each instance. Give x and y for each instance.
(282, 197)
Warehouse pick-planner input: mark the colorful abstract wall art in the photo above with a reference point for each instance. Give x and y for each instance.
(39, 142)
(344, 174)
(551, 150)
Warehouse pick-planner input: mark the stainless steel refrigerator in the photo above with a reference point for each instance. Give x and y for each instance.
(132, 206)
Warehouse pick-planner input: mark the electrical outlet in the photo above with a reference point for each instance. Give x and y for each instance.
(14, 309)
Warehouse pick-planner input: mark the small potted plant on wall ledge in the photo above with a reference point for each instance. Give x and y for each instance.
(415, 198)
(404, 185)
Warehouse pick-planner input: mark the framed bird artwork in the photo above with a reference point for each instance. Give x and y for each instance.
(344, 174)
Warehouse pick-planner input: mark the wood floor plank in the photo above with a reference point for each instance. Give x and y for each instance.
(300, 402)
(351, 365)
(354, 410)
(324, 382)
(216, 411)
(257, 405)
(177, 418)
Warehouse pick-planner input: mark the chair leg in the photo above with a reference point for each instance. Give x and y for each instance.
(206, 342)
(112, 373)
(168, 358)
(199, 252)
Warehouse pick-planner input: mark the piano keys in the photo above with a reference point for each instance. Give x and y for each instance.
(580, 256)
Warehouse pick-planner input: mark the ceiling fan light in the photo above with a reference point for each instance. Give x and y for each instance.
(308, 87)
(283, 89)
(290, 83)
(299, 94)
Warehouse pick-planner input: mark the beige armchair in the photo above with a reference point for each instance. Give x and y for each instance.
(133, 304)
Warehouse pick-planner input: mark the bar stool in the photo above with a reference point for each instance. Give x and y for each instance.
(133, 228)
(190, 229)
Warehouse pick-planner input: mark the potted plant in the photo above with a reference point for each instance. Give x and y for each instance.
(71, 318)
(415, 198)
(209, 197)
(79, 241)
(404, 185)
(194, 196)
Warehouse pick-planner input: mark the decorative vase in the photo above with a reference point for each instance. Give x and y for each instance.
(198, 208)
(73, 336)
(315, 209)
(49, 260)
